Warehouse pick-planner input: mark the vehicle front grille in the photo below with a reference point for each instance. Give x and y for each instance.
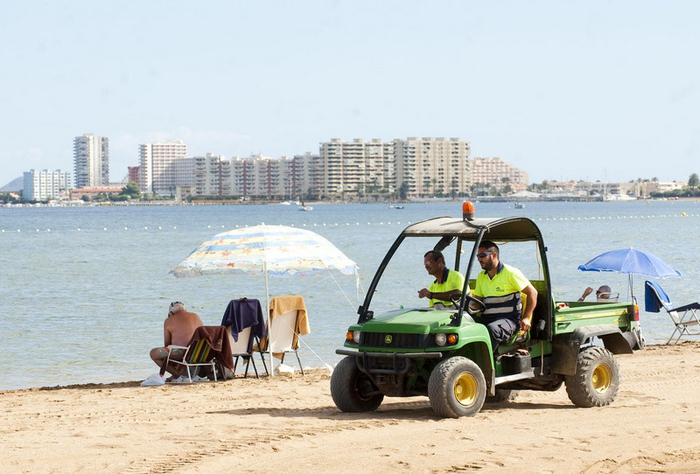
(394, 340)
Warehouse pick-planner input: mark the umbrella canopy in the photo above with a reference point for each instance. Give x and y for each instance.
(273, 250)
(632, 262)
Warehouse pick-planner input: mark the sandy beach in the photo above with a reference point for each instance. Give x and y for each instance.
(290, 424)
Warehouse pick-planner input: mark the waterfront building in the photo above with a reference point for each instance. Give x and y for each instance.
(256, 177)
(134, 175)
(356, 168)
(91, 160)
(429, 167)
(496, 173)
(301, 176)
(44, 185)
(212, 175)
(93, 192)
(165, 166)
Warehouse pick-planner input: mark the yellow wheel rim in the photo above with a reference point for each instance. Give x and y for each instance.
(601, 378)
(466, 389)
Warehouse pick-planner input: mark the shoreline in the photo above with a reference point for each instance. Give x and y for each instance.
(290, 424)
(479, 199)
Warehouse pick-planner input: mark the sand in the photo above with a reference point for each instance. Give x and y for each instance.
(290, 424)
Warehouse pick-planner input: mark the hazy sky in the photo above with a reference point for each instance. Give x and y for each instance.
(596, 90)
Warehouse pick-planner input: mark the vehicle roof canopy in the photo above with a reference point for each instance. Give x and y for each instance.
(507, 228)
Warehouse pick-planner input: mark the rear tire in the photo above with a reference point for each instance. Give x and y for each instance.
(597, 378)
(457, 387)
(352, 390)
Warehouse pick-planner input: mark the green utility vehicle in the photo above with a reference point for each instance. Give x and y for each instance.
(446, 355)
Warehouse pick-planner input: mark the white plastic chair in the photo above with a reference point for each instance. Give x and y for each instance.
(240, 349)
(281, 337)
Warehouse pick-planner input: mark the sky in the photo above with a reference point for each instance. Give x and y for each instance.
(599, 90)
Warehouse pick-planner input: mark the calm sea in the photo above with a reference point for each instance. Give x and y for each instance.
(84, 291)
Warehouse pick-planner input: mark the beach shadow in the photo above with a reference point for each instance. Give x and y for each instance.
(412, 410)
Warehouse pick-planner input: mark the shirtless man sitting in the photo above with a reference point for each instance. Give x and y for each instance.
(177, 329)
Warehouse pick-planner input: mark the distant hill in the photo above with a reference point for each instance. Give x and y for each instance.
(15, 185)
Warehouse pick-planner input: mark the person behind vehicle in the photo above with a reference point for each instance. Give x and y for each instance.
(499, 287)
(177, 329)
(603, 293)
(447, 282)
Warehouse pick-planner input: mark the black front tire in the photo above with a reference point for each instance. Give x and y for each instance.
(456, 388)
(352, 390)
(597, 379)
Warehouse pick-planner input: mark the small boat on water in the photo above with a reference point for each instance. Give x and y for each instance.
(303, 207)
(519, 205)
(395, 207)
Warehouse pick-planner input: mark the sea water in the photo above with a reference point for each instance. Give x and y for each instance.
(84, 291)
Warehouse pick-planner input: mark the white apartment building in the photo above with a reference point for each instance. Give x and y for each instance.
(301, 175)
(497, 173)
(164, 166)
(357, 167)
(212, 175)
(91, 160)
(257, 176)
(428, 167)
(44, 185)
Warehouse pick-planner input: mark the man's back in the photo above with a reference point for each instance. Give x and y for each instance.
(180, 326)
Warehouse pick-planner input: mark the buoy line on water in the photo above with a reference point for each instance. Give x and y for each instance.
(348, 224)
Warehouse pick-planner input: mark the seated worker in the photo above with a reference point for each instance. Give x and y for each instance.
(499, 287)
(603, 293)
(178, 329)
(447, 282)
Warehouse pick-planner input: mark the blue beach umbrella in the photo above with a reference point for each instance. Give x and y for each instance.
(631, 262)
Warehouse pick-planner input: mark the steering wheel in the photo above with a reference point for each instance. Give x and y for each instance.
(480, 306)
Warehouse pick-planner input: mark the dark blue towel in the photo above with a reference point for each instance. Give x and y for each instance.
(243, 313)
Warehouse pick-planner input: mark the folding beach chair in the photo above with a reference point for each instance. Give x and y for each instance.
(288, 320)
(196, 355)
(245, 326)
(684, 317)
(208, 346)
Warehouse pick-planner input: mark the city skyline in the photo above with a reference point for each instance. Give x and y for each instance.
(602, 91)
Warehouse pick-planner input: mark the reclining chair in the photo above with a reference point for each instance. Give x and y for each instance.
(684, 317)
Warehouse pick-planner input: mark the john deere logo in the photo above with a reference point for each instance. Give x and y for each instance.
(388, 338)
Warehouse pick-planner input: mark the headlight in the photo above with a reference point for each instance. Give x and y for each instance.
(440, 339)
(356, 336)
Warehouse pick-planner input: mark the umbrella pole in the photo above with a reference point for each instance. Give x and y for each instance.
(269, 319)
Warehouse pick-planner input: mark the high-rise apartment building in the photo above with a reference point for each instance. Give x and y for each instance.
(45, 184)
(427, 167)
(91, 160)
(257, 176)
(497, 173)
(165, 166)
(212, 175)
(357, 167)
(301, 175)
